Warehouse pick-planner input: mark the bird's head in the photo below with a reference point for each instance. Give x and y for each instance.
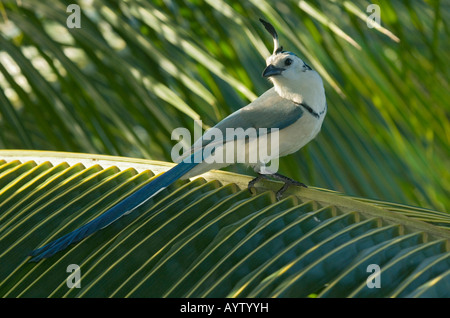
(286, 65)
(291, 76)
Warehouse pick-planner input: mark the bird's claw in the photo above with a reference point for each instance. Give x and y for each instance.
(286, 185)
(279, 194)
(251, 184)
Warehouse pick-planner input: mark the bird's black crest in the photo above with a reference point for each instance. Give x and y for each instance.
(269, 27)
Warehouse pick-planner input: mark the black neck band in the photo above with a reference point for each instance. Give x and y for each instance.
(309, 109)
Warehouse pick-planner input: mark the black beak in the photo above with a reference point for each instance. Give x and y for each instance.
(271, 70)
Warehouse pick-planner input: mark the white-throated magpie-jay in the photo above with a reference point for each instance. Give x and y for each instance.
(295, 107)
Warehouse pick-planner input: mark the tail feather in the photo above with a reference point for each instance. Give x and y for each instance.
(125, 206)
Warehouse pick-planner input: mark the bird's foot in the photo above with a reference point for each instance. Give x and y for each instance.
(252, 182)
(287, 183)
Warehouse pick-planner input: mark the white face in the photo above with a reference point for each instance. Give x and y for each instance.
(293, 66)
(295, 80)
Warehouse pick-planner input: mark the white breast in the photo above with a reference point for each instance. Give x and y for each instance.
(299, 134)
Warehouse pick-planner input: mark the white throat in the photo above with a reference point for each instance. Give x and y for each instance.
(308, 88)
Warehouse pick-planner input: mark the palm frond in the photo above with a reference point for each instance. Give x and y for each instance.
(136, 70)
(208, 237)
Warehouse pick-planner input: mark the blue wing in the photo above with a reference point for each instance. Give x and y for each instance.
(267, 111)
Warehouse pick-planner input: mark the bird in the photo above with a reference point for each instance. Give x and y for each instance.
(294, 108)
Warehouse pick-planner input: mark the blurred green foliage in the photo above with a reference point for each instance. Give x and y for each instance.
(137, 69)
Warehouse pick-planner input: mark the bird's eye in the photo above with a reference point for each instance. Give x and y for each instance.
(288, 62)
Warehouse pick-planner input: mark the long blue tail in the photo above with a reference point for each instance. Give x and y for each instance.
(124, 206)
